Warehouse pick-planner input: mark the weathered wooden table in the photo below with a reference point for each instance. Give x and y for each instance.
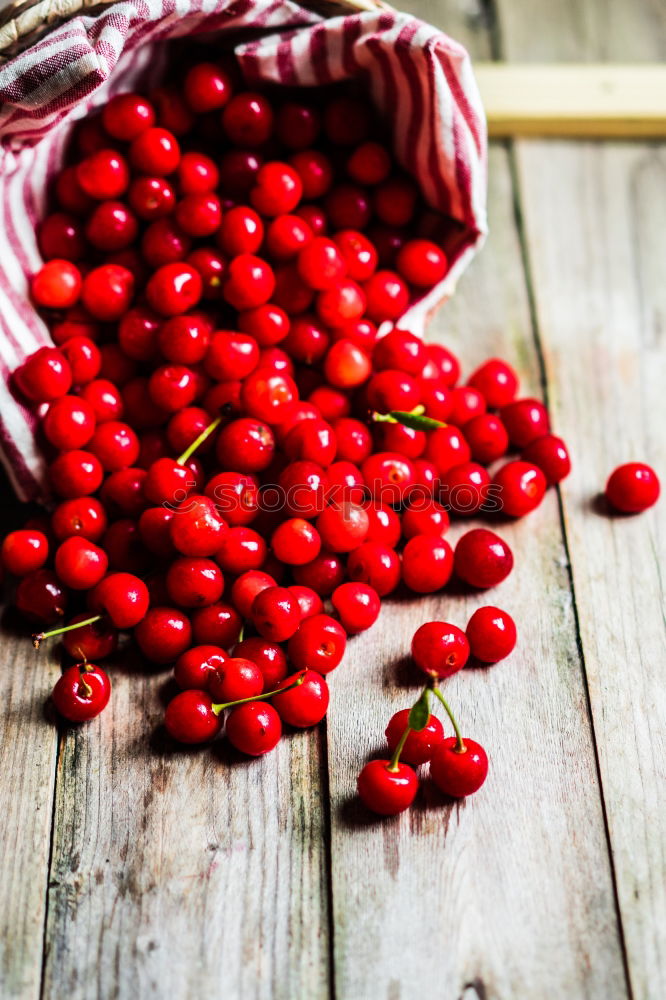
(129, 872)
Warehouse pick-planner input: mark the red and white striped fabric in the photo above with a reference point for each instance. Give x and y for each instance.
(419, 79)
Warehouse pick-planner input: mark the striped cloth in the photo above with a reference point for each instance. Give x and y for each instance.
(418, 77)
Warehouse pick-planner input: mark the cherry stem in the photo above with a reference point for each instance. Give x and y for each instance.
(460, 744)
(393, 763)
(205, 434)
(416, 419)
(220, 706)
(84, 687)
(40, 636)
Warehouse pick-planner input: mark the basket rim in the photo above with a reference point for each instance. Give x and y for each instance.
(23, 18)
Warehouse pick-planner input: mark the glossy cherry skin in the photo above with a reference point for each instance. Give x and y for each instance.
(377, 565)
(41, 597)
(487, 438)
(427, 563)
(45, 375)
(196, 528)
(79, 563)
(318, 644)
(90, 642)
(520, 488)
(276, 614)
(247, 587)
(235, 679)
(217, 624)
(458, 774)
(551, 455)
(422, 263)
(384, 791)
(81, 693)
(497, 381)
(420, 744)
(525, 421)
(190, 718)
(195, 667)
(440, 649)
(163, 634)
(424, 517)
(305, 705)
(123, 597)
(632, 488)
(268, 656)
(254, 728)
(193, 582)
(491, 634)
(482, 558)
(24, 551)
(357, 605)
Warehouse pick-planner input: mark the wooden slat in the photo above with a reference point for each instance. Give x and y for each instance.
(28, 747)
(590, 101)
(184, 874)
(595, 218)
(509, 894)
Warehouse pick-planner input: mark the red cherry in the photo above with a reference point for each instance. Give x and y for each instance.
(79, 563)
(76, 474)
(126, 116)
(632, 488)
(241, 549)
(491, 634)
(316, 173)
(103, 175)
(46, 375)
(309, 602)
(163, 634)
(427, 563)
(385, 791)
(376, 565)
(277, 190)
(389, 476)
(206, 88)
(24, 551)
(305, 705)
(216, 625)
(370, 163)
(173, 289)
(487, 438)
(496, 381)
(342, 526)
(199, 214)
(84, 359)
(358, 606)
(105, 399)
(61, 237)
(440, 649)
(84, 516)
(90, 642)
(268, 656)
(82, 692)
(318, 644)
(482, 558)
(235, 679)
(236, 496)
(525, 421)
(447, 448)
(276, 614)
(297, 125)
(550, 454)
(190, 718)
(248, 120)
(320, 264)
(151, 198)
(459, 774)
(420, 744)
(195, 667)
(395, 201)
(115, 445)
(107, 292)
(466, 403)
(40, 597)
(196, 528)
(519, 488)
(194, 582)
(422, 263)
(154, 151)
(387, 296)
(296, 542)
(111, 226)
(323, 574)
(464, 488)
(254, 728)
(424, 517)
(250, 282)
(383, 525)
(123, 597)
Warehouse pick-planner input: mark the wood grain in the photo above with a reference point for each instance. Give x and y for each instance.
(595, 218)
(28, 747)
(184, 873)
(510, 893)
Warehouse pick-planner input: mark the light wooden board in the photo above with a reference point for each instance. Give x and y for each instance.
(595, 218)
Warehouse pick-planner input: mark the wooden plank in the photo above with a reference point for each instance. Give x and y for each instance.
(28, 747)
(184, 873)
(595, 219)
(508, 894)
(590, 101)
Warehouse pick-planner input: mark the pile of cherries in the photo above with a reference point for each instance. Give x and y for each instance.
(242, 467)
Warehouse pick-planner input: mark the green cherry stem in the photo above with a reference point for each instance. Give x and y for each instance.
(416, 419)
(221, 706)
(39, 637)
(418, 720)
(393, 763)
(205, 434)
(460, 745)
